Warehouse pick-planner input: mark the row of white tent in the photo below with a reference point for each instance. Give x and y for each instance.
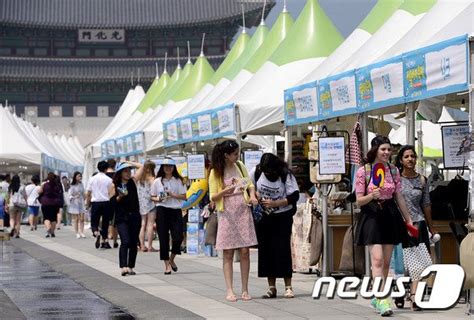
(22, 142)
(296, 53)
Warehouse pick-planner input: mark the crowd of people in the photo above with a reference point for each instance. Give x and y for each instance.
(131, 200)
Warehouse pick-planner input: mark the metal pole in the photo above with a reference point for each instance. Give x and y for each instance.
(181, 149)
(194, 147)
(365, 147)
(288, 145)
(471, 160)
(324, 209)
(410, 123)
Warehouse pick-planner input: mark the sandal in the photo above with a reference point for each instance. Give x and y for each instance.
(414, 306)
(399, 302)
(230, 298)
(246, 296)
(271, 293)
(289, 293)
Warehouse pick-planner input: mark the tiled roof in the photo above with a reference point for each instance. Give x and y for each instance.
(126, 13)
(62, 69)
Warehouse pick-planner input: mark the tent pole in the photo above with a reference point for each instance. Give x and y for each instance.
(288, 145)
(194, 147)
(365, 147)
(471, 158)
(410, 123)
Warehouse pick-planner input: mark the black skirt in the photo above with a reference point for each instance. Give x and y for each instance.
(274, 245)
(381, 224)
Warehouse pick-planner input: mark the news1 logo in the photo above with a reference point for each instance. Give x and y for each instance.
(447, 287)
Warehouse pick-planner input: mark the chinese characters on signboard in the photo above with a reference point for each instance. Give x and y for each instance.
(101, 35)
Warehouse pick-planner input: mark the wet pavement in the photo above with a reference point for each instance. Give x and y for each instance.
(39, 292)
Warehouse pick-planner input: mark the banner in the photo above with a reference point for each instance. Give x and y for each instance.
(380, 84)
(301, 104)
(337, 95)
(196, 166)
(436, 70)
(252, 158)
(431, 71)
(206, 125)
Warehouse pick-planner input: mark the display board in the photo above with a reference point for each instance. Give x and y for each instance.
(332, 155)
(453, 138)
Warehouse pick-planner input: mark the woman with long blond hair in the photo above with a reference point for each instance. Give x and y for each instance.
(147, 206)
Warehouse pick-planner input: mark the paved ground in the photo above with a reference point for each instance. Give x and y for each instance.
(196, 291)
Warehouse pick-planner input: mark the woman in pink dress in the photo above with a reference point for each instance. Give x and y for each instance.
(232, 191)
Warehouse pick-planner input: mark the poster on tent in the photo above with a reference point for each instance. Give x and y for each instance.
(204, 125)
(456, 146)
(170, 130)
(111, 148)
(129, 145)
(139, 142)
(252, 158)
(223, 121)
(103, 149)
(380, 85)
(120, 146)
(337, 95)
(301, 104)
(435, 70)
(186, 130)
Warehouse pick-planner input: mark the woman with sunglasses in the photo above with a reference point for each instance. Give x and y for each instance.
(232, 191)
(415, 191)
(127, 213)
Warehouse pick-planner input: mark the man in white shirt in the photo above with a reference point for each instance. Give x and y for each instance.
(98, 193)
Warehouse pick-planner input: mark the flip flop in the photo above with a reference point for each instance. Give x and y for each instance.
(231, 298)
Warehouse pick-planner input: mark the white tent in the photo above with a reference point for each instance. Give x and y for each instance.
(16, 145)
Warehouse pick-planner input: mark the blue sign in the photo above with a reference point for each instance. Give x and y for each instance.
(205, 125)
(301, 104)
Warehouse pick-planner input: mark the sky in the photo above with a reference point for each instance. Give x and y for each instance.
(345, 14)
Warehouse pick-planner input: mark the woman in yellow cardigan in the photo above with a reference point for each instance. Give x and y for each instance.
(232, 191)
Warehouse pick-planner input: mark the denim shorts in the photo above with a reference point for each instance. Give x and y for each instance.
(33, 210)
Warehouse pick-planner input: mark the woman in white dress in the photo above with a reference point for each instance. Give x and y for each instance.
(76, 204)
(147, 206)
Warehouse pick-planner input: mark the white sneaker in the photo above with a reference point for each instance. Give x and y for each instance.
(78, 235)
(83, 235)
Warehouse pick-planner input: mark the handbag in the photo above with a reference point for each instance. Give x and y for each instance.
(257, 213)
(316, 238)
(416, 259)
(18, 198)
(397, 262)
(211, 229)
(466, 257)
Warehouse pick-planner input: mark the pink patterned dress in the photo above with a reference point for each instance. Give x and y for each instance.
(235, 225)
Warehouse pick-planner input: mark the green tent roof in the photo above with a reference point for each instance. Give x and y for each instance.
(232, 56)
(170, 90)
(200, 74)
(154, 91)
(416, 7)
(312, 35)
(379, 14)
(254, 44)
(276, 35)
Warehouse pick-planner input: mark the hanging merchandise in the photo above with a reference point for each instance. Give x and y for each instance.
(354, 152)
(300, 236)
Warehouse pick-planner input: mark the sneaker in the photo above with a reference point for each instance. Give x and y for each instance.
(374, 302)
(53, 235)
(82, 235)
(78, 236)
(97, 241)
(106, 245)
(47, 235)
(384, 308)
(116, 245)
